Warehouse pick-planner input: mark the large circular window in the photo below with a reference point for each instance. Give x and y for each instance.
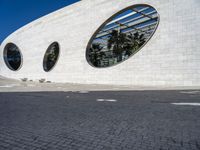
(51, 56)
(12, 56)
(122, 35)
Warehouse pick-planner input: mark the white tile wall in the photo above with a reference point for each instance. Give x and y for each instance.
(170, 58)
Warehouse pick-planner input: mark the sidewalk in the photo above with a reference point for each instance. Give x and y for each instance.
(10, 85)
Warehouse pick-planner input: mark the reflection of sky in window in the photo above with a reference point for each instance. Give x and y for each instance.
(148, 10)
(130, 17)
(135, 17)
(109, 26)
(133, 21)
(140, 7)
(145, 23)
(103, 37)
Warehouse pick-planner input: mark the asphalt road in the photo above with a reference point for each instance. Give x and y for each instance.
(128, 120)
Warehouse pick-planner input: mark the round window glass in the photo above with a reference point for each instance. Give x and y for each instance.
(51, 56)
(12, 56)
(122, 35)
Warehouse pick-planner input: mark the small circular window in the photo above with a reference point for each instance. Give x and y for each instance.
(51, 56)
(12, 56)
(122, 35)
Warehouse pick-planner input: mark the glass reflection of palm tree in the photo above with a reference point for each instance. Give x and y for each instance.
(134, 42)
(119, 44)
(116, 43)
(96, 54)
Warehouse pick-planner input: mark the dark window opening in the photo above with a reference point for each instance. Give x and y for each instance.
(12, 56)
(51, 56)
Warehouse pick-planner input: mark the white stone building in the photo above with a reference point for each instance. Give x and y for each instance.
(170, 58)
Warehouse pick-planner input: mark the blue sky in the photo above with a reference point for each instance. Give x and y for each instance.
(17, 13)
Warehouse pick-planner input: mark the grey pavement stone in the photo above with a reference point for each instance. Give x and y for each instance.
(138, 120)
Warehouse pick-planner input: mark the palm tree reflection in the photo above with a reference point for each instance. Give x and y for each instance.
(119, 47)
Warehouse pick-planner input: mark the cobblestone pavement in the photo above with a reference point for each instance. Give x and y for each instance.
(134, 120)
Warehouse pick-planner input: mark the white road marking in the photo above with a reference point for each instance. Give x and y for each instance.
(186, 104)
(111, 100)
(106, 100)
(100, 100)
(83, 92)
(190, 92)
